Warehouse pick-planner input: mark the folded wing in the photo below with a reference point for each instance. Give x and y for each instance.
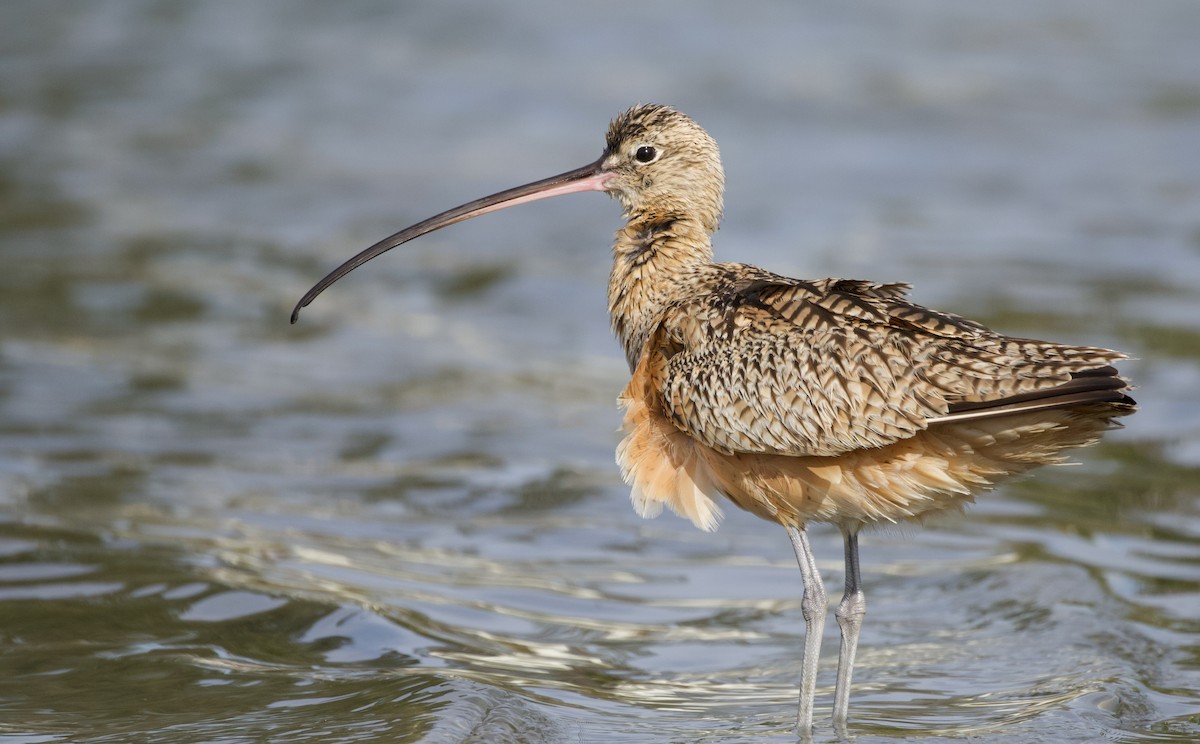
(772, 365)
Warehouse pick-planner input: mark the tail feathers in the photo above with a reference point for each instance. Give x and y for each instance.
(1100, 389)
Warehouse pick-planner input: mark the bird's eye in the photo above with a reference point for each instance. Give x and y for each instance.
(646, 154)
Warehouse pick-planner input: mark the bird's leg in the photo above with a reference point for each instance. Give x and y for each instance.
(849, 614)
(813, 607)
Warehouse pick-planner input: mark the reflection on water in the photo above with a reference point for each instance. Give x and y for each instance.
(400, 520)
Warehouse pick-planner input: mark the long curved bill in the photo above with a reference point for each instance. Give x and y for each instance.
(591, 177)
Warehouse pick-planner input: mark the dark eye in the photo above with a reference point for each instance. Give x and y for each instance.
(646, 154)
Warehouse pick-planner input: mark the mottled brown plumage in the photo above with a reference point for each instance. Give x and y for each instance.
(832, 400)
(756, 364)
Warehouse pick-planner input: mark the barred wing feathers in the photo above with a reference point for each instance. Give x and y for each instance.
(766, 364)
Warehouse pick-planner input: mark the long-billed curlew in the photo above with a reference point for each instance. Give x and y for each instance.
(831, 400)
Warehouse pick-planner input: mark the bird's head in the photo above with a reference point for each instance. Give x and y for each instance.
(661, 163)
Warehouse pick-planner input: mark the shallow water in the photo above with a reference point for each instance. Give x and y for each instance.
(400, 519)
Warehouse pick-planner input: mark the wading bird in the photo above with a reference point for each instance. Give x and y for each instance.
(829, 400)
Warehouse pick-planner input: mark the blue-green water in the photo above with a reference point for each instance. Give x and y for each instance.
(400, 519)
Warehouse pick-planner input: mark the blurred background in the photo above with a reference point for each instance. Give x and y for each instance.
(400, 519)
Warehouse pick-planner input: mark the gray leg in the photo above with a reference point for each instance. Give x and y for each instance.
(849, 615)
(813, 607)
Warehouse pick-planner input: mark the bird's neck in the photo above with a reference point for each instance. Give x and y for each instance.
(655, 261)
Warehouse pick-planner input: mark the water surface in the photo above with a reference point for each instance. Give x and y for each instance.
(400, 519)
